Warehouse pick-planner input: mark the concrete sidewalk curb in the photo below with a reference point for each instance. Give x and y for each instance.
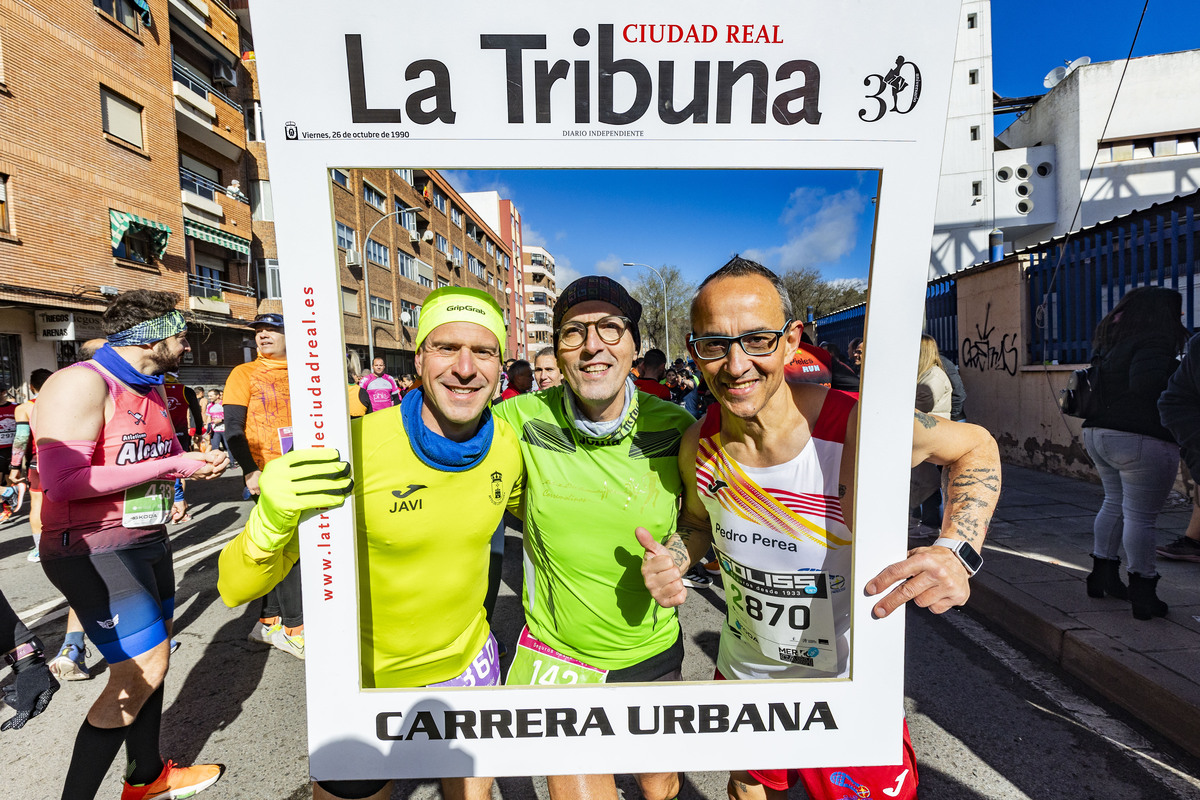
(1158, 697)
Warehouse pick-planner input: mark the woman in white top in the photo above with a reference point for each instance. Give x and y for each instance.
(933, 397)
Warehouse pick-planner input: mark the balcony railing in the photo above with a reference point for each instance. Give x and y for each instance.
(199, 85)
(203, 286)
(206, 188)
(542, 264)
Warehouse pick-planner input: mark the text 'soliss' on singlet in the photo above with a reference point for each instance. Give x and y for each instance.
(785, 553)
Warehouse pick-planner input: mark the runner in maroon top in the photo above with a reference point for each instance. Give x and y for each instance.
(107, 459)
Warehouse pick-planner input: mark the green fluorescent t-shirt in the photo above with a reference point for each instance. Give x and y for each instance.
(584, 594)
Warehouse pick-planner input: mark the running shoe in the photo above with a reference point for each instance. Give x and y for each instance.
(34, 556)
(293, 644)
(21, 489)
(697, 578)
(1182, 549)
(174, 645)
(6, 510)
(713, 568)
(69, 664)
(262, 633)
(175, 782)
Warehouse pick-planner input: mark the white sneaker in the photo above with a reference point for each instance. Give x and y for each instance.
(293, 644)
(69, 664)
(262, 633)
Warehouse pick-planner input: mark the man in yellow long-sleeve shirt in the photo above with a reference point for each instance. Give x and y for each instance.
(439, 452)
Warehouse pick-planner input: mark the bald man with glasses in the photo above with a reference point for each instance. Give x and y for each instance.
(772, 468)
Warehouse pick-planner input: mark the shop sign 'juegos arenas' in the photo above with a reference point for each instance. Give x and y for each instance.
(803, 85)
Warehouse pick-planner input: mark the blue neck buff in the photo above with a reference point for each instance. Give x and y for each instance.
(437, 451)
(108, 358)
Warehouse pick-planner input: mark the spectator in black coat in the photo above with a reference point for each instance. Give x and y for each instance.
(1136, 346)
(1179, 410)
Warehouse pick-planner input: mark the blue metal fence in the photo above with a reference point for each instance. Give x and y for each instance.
(941, 320)
(1159, 246)
(841, 327)
(941, 315)
(1097, 266)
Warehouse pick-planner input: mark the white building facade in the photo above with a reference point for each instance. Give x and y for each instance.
(963, 218)
(540, 296)
(1028, 181)
(1147, 155)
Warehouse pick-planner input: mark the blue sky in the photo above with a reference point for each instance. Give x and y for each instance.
(1031, 38)
(593, 220)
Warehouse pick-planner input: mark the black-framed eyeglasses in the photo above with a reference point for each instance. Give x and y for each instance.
(609, 329)
(754, 343)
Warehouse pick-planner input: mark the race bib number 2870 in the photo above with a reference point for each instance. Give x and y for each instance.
(788, 615)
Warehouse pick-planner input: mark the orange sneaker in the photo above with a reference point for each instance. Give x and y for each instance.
(175, 782)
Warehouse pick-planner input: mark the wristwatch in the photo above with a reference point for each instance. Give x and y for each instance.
(966, 554)
(30, 648)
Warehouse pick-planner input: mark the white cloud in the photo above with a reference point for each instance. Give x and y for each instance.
(564, 273)
(613, 267)
(465, 182)
(530, 236)
(609, 266)
(822, 229)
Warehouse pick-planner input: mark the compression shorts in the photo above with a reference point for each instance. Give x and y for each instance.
(124, 598)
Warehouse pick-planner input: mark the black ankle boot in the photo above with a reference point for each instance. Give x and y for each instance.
(1106, 579)
(1145, 599)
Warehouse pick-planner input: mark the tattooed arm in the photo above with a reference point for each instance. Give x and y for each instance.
(665, 563)
(933, 577)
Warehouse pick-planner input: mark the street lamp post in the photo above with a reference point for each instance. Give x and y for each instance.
(666, 315)
(362, 257)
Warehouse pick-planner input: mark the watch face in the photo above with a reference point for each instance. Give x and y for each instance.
(972, 559)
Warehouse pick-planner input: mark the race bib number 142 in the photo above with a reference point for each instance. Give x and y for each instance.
(538, 664)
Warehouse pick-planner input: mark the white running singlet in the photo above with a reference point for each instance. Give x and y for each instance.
(785, 553)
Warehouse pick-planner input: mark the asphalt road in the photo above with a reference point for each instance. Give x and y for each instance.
(987, 721)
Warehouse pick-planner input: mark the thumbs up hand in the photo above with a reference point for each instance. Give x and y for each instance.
(661, 572)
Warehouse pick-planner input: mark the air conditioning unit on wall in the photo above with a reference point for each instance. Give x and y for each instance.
(224, 75)
(352, 259)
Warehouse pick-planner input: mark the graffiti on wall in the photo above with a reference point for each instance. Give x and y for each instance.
(985, 352)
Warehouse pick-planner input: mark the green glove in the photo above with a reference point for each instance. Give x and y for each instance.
(299, 481)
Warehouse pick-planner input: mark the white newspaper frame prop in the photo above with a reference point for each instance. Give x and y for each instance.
(875, 112)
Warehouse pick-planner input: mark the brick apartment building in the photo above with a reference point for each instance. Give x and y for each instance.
(436, 240)
(540, 297)
(132, 156)
(123, 164)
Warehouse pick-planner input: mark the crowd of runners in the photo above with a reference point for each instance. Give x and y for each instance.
(753, 452)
